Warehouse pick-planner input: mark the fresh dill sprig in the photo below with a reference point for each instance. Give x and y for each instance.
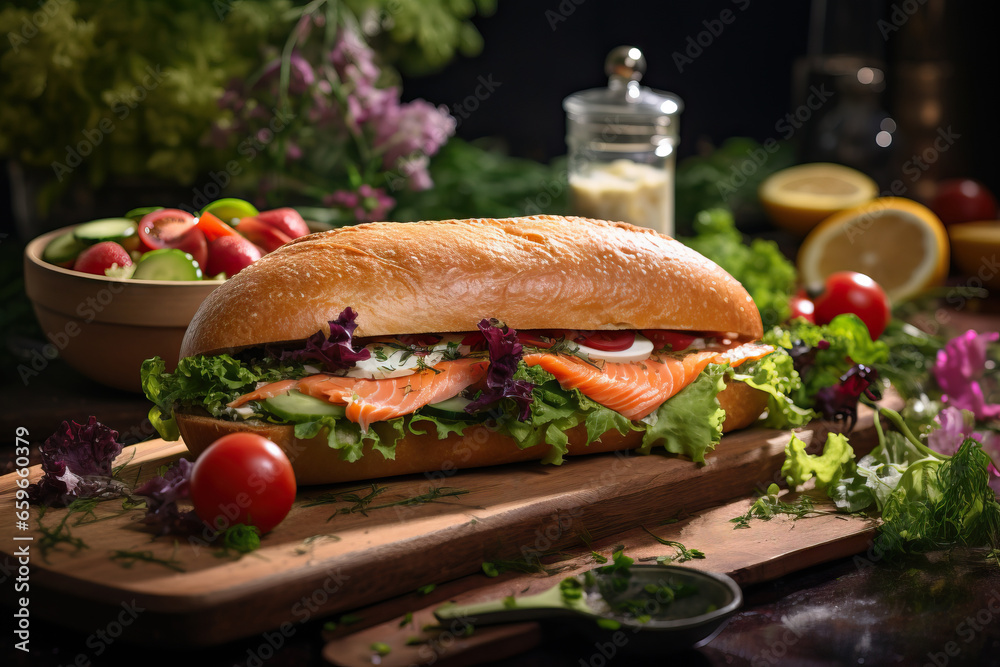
(770, 505)
(52, 537)
(967, 513)
(683, 553)
(127, 559)
(433, 496)
(363, 504)
(121, 466)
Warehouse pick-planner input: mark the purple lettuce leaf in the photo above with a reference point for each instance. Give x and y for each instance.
(505, 353)
(77, 463)
(839, 403)
(162, 494)
(335, 352)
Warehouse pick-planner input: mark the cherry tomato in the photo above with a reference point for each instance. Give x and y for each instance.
(267, 237)
(608, 341)
(173, 228)
(852, 292)
(420, 340)
(676, 340)
(230, 255)
(286, 220)
(101, 256)
(214, 228)
(157, 228)
(963, 200)
(802, 306)
(243, 478)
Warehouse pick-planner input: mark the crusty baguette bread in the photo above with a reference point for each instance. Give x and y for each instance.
(314, 462)
(540, 272)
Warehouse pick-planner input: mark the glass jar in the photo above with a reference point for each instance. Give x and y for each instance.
(622, 142)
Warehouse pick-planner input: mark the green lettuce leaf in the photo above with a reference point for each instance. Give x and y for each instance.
(690, 422)
(849, 344)
(444, 427)
(828, 467)
(759, 265)
(775, 374)
(208, 382)
(554, 411)
(347, 437)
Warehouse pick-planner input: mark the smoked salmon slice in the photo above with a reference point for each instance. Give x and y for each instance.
(370, 401)
(636, 389)
(269, 390)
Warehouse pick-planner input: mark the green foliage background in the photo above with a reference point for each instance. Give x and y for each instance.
(71, 69)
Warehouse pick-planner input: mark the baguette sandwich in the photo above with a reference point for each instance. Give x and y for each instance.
(396, 348)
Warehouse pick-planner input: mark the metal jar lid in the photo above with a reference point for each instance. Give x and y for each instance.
(625, 100)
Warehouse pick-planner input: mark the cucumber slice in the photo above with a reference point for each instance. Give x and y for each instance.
(296, 406)
(167, 264)
(231, 210)
(452, 408)
(119, 230)
(63, 249)
(137, 214)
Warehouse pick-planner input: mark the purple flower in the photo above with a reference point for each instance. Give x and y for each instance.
(367, 204)
(417, 127)
(300, 76)
(353, 58)
(958, 369)
(370, 104)
(954, 427)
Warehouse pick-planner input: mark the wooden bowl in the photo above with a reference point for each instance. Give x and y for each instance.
(106, 327)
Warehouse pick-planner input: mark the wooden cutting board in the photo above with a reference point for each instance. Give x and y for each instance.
(329, 558)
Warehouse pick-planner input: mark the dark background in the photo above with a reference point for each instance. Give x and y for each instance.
(742, 82)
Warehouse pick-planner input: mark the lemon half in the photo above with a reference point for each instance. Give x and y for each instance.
(800, 197)
(899, 243)
(976, 248)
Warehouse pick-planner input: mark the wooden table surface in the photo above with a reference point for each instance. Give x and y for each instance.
(938, 609)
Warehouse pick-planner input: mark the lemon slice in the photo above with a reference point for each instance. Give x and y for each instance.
(976, 247)
(800, 197)
(899, 243)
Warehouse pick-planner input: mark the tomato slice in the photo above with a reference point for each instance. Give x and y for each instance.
(608, 341)
(476, 341)
(676, 340)
(214, 228)
(157, 229)
(544, 338)
(262, 234)
(420, 340)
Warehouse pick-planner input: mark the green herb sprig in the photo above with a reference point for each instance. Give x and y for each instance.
(683, 553)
